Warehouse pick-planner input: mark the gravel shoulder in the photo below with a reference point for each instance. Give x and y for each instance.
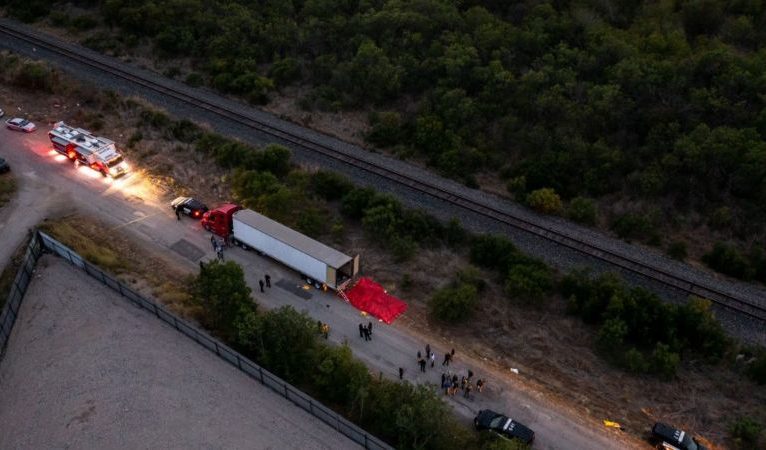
(85, 369)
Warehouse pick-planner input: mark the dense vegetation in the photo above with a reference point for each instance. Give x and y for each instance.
(660, 103)
(288, 344)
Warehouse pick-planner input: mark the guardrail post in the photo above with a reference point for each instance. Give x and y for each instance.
(260, 370)
(217, 352)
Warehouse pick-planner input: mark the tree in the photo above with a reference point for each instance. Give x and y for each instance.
(221, 290)
(338, 376)
(727, 259)
(286, 343)
(544, 200)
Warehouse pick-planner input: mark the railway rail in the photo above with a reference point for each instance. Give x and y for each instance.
(657, 274)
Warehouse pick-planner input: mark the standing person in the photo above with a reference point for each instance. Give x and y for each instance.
(401, 373)
(268, 281)
(433, 359)
(178, 213)
(470, 374)
(212, 241)
(446, 360)
(367, 336)
(326, 330)
(260, 283)
(463, 382)
(479, 384)
(422, 363)
(369, 327)
(220, 253)
(452, 355)
(361, 331)
(418, 355)
(444, 377)
(467, 393)
(428, 350)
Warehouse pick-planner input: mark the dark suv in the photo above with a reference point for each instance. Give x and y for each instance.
(671, 438)
(504, 426)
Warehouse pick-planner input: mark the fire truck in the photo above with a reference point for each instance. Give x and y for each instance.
(82, 147)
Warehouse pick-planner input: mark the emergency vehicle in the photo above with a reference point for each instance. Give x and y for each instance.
(82, 147)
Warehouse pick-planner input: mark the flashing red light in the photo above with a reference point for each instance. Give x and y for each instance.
(196, 213)
(70, 154)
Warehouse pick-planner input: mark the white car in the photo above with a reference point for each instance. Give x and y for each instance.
(19, 124)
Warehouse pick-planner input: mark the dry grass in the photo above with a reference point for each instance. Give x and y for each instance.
(119, 255)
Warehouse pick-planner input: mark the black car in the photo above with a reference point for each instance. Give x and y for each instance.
(4, 167)
(189, 206)
(504, 426)
(671, 438)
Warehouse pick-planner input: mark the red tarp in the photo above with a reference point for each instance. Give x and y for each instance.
(370, 297)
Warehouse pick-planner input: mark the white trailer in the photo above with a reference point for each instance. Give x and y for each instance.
(319, 264)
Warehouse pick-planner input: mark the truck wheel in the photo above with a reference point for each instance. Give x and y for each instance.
(244, 246)
(309, 281)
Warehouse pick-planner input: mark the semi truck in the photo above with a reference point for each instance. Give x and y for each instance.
(319, 264)
(82, 147)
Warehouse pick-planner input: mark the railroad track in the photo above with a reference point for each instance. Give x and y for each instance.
(728, 301)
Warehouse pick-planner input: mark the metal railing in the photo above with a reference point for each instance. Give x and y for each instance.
(18, 289)
(42, 241)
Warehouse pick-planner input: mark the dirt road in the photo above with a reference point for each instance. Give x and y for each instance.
(50, 185)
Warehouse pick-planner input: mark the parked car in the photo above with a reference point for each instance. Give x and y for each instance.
(189, 206)
(19, 124)
(4, 167)
(668, 437)
(503, 425)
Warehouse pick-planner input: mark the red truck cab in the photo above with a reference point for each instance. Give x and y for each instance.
(218, 221)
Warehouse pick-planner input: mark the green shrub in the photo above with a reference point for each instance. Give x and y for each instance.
(610, 339)
(285, 71)
(635, 362)
(528, 282)
(677, 250)
(157, 119)
(83, 23)
(37, 76)
(492, 252)
(338, 376)
(664, 361)
(632, 226)
(745, 433)
(330, 185)
(185, 131)
(386, 128)
(356, 201)
(194, 79)
(727, 259)
(544, 200)
(454, 234)
(582, 210)
(453, 304)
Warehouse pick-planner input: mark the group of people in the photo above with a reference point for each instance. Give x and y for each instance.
(365, 331)
(450, 384)
(423, 360)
